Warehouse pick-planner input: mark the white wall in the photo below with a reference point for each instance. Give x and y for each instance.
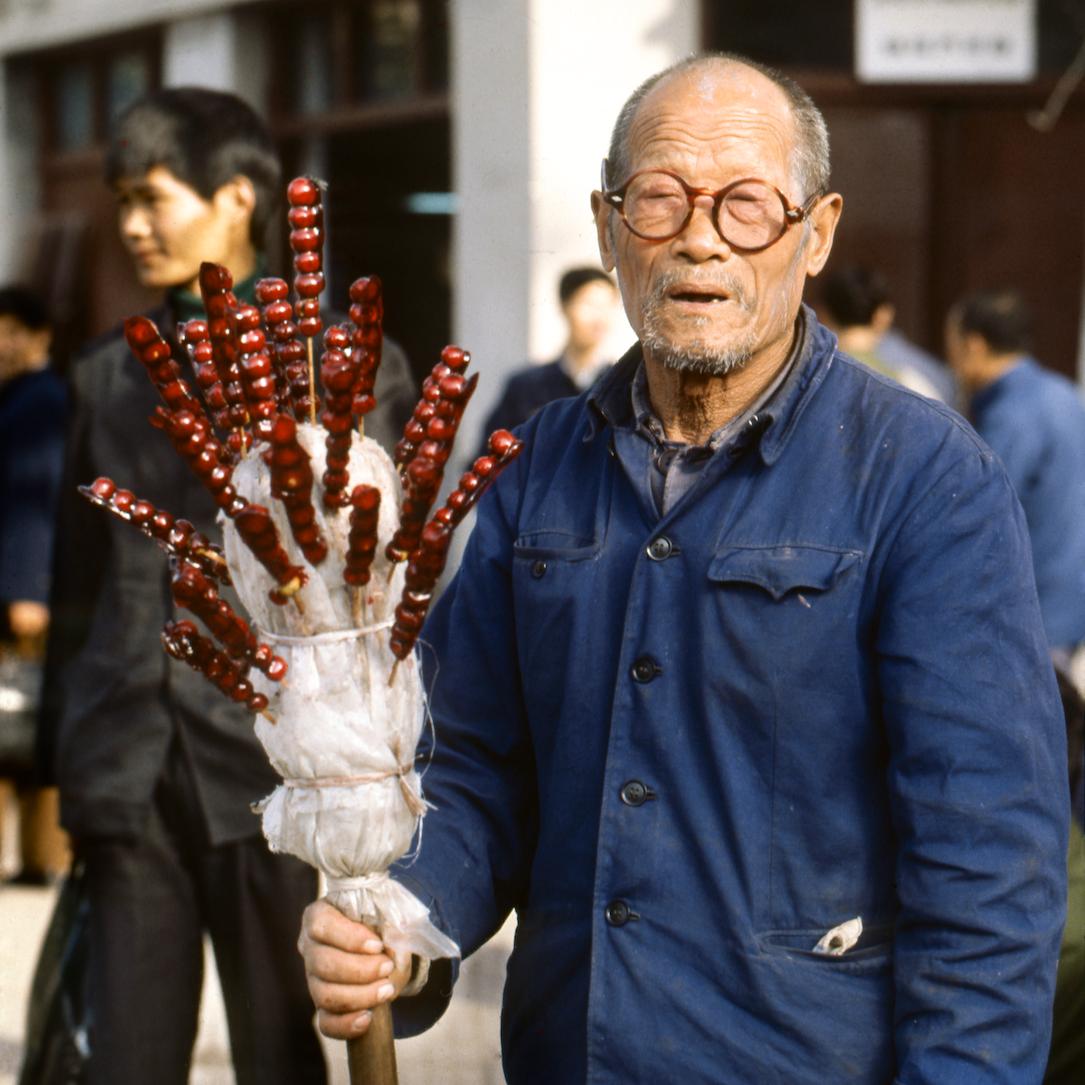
(586, 59)
(492, 230)
(536, 86)
(19, 198)
(39, 24)
(223, 51)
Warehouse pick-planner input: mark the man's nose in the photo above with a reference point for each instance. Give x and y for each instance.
(134, 223)
(700, 240)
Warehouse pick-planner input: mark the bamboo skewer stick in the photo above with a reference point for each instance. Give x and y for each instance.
(371, 1058)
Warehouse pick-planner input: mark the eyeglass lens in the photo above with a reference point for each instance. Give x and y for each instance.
(750, 215)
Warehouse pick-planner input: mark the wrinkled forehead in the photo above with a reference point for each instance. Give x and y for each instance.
(718, 107)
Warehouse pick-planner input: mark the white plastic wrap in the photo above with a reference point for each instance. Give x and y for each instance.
(344, 736)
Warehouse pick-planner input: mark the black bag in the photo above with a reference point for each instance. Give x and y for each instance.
(58, 1025)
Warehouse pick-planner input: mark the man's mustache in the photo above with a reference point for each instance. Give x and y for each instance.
(717, 284)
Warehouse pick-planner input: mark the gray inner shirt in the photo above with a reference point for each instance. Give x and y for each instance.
(676, 466)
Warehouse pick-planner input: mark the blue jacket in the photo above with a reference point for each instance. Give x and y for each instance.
(33, 410)
(1035, 421)
(684, 748)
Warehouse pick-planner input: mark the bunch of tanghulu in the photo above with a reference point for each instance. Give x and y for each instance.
(333, 549)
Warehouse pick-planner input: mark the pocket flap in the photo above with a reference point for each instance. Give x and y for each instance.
(780, 569)
(559, 545)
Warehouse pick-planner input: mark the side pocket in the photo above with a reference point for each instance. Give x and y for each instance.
(873, 952)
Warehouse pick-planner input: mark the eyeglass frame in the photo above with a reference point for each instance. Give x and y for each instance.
(615, 198)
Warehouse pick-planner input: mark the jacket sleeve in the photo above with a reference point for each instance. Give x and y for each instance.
(80, 557)
(476, 846)
(977, 779)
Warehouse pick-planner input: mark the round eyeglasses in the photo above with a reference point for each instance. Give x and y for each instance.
(750, 215)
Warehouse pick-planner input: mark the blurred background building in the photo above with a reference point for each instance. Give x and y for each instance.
(460, 141)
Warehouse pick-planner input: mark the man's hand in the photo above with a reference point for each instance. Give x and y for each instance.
(27, 618)
(348, 969)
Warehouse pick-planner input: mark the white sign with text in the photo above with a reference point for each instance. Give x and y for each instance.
(945, 41)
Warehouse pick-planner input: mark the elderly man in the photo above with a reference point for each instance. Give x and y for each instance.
(743, 700)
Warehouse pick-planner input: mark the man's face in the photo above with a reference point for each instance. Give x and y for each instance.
(590, 314)
(693, 301)
(21, 348)
(169, 229)
(964, 353)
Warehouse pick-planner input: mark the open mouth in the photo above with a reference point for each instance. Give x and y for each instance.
(698, 296)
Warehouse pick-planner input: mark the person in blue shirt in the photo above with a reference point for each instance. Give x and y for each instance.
(588, 300)
(1034, 419)
(742, 696)
(855, 303)
(33, 411)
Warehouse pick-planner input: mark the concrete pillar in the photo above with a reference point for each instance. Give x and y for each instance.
(19, 195)
(536, 86)
(224, 51)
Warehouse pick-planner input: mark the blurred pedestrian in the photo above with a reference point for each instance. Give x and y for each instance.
(1034, 419)
(589, 304)
(33, 404)
(854, 301)
(157, 770)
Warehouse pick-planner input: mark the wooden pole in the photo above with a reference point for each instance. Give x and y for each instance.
(371, 1058)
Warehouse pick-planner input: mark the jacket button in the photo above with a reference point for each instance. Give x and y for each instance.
(645, 669)
(538, 569)
(634, 793)
(660, 549)
(618, 913)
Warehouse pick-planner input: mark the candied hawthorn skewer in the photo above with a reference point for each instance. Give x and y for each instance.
(216, 285)
(289, 351)
(428, 560)
(154, 354)
(338, 373)
(179, 538)
(192, 439)
(193, 591)
(306, 217)
(183, 641)
(257, 375)
(454, 362)
(367, 339)
(257, 531)
(195, 338)
(447, 392)
(361, 542)
(292, 484)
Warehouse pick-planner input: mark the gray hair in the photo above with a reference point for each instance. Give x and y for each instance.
(810, 163)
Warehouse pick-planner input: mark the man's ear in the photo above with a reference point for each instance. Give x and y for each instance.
(237, 198)
(43, 342)
(883, 317)
(601, 212)
(823, 219)
(975, 346)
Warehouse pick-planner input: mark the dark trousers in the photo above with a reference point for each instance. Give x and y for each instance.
(151, 901)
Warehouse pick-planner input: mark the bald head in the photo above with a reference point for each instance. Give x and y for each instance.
(738, 79)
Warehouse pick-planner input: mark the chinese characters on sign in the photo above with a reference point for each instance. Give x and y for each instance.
(945, 41)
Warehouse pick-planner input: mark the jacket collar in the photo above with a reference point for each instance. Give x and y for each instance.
(611, 401)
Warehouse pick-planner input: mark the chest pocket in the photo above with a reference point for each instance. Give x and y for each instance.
(781, 570)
